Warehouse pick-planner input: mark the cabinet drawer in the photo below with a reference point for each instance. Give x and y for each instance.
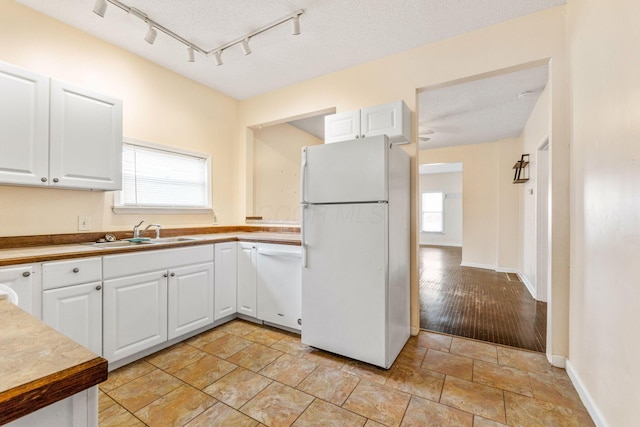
(141, 262)
(64, 273)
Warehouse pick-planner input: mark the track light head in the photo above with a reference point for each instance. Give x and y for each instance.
(245, 47)
(151, 35)
(190, 55)
(295, 25)
(217, 56)
(100, 8)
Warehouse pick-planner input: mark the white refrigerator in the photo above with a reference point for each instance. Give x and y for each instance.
(355, 249)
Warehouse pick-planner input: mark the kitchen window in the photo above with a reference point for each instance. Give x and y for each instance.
(161, 179)
(432, 205)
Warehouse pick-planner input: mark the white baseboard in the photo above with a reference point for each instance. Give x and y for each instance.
(585, 396)
(529, 285)
(557, 361)
(475, 265)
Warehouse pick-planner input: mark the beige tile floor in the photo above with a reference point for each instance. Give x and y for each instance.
(242, 374)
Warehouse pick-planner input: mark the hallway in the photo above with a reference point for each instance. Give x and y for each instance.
(477, 303)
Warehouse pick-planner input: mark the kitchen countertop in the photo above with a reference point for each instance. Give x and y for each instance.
(57, 252)
(39, 365)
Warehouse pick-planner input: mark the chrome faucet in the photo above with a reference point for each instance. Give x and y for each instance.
(138, 233)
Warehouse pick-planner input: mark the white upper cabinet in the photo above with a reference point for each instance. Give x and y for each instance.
(56, 134)
(392, 119)
(24, 120)
(85, 139)
(342, 126)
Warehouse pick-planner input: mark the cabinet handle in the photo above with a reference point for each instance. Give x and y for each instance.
(55, 179)
(173, 274)
(357, 136)
(165, 275)
(98, 287)
(75, 270)
(26, 274)
(43, 179)
(300, 322)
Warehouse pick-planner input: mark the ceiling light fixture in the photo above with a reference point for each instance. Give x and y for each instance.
(151, 35)
(525, 94)
(217, 56)
(295, 25)
(100, 8)
(246, 49)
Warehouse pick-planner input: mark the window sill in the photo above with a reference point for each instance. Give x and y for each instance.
(159, 210)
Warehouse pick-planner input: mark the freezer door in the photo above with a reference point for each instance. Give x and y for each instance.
(344, 282)
(344, 172)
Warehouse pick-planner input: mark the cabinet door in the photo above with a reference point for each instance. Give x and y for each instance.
(247, 256)
(134, 314)
(279, 284)
(20, 279)
(24, 120)
(76, 311)
(226, 257)
(342, 127)
(190, 298)
(85, 139)
(385, 119)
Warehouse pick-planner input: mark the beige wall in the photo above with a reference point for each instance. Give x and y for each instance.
(159, 106)
(490, 201)
(276, 171)
(605, 206)
(536, 37)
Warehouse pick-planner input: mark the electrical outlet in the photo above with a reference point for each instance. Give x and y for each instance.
(84, 223)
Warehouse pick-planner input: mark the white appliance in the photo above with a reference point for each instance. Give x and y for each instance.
(355, 249)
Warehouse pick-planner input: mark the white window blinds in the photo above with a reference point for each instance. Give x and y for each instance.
(161, 178)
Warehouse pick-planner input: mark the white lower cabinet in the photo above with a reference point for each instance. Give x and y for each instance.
(76, 311)
(190, 298)
(20, 280)
(279, 278)
(246, 280)
(154, 296)
(226, 256)
(135, 314)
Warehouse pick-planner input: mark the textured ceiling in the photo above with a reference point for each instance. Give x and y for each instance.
(481, 110)
(336, 34)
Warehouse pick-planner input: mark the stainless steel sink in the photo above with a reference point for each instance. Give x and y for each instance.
(117, 244)
(172, 239)
(126, 243)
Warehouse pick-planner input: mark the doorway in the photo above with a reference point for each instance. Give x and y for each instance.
(486, 289)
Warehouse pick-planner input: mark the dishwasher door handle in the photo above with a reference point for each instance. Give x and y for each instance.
(279, 254)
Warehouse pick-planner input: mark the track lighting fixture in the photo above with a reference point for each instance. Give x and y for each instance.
(217, 56)
(100, 7)
(246, 49)
(295, 25)
(151, 35)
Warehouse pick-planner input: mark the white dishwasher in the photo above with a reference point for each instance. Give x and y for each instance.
(279, 271)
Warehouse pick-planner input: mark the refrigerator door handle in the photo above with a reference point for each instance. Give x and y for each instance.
(303, 240)
(303, 175)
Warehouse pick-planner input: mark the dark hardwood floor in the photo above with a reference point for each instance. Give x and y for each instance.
(478, 303)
